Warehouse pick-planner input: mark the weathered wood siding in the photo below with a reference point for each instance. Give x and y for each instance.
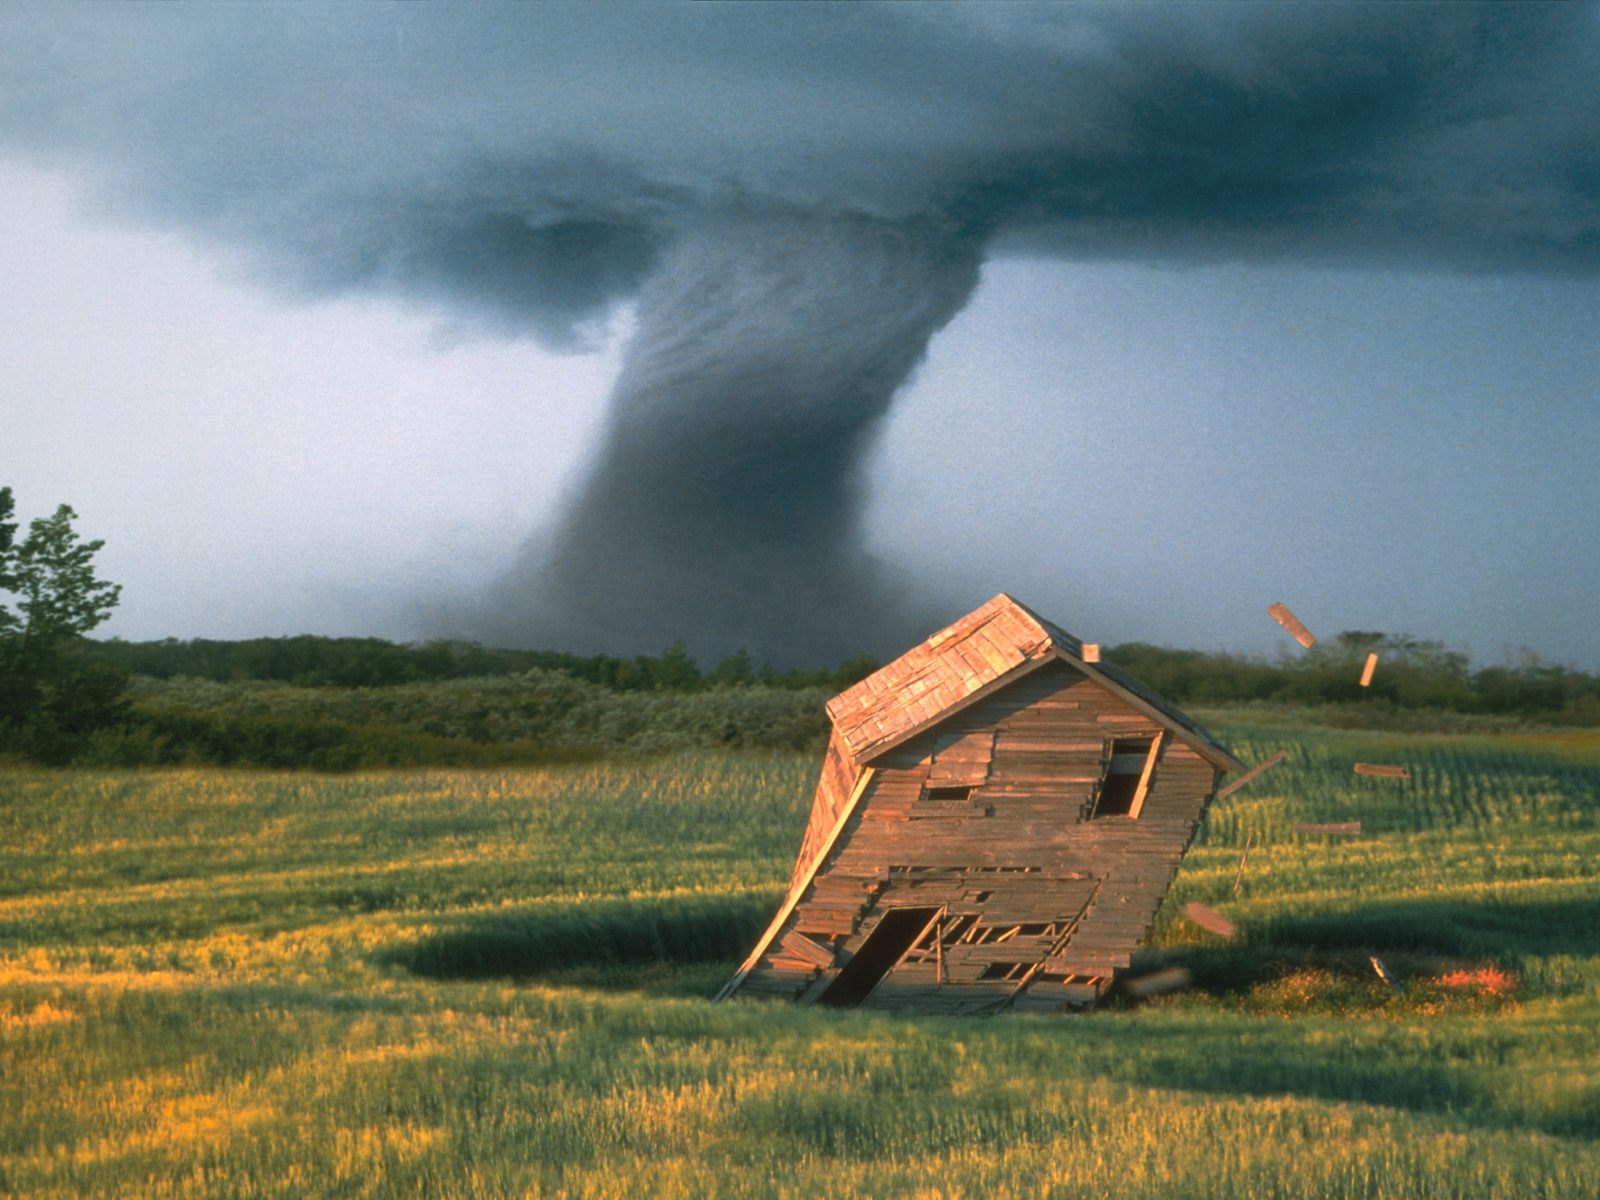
(1041, 903)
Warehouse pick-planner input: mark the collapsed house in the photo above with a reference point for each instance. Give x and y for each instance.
(998, 819)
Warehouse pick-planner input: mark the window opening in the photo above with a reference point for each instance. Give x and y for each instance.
(896, 932)
(1126, 778)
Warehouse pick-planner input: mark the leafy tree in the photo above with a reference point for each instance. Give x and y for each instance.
(674, 670)
(50, 597)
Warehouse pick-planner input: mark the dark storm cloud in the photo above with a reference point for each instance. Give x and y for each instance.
(799, 196)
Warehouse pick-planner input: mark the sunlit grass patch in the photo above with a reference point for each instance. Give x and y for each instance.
(14, 1019)
(494, 984)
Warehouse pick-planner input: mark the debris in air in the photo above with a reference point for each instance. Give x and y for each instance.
(1282, 615)
(1383, 972)
(1251, 774)
(1157, 982)
(1091, 652)
(1238, 877)
(1382, 771)
(1366, 671)
(1209, 919)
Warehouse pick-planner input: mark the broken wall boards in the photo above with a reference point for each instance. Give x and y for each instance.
(998, 819)
(1281, 614)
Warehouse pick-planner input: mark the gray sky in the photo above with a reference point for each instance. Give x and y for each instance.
(1345, 359)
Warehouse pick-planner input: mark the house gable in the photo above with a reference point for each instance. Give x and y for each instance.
(993, 809)
(979, 655)
(983, 823)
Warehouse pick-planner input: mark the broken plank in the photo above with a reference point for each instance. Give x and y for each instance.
(798, 945)
(1157, 982)
(1383, 972)
(1281, 614)
(1250, 775)
(1209, 919)
(1366, 671)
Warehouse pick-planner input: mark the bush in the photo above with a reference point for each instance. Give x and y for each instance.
(538, 716)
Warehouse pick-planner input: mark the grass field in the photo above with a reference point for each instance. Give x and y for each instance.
(494, 984)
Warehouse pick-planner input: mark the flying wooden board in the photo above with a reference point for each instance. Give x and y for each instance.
(1251, 774)
(1157, 982)
(1282, 615)
(1238, 876)
(1383, 972)
(1366, 671)
(1209, 919)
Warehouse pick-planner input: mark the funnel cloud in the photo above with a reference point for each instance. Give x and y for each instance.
(794, 200)
(726, 494)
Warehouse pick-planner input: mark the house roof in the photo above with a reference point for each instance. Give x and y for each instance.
(986, 650)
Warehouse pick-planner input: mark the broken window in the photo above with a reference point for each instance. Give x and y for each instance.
(945, 931)
(950, 800)
(1127, 777)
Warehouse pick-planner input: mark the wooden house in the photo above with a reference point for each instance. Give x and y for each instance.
(999, 817)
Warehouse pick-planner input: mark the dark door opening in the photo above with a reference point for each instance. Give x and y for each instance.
(897, 931)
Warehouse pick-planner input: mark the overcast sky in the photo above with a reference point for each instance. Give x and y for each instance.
(1150, 418)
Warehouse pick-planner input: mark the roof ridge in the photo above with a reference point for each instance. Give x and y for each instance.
(999, 640)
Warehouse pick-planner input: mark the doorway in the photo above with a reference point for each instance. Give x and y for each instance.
(897, 931)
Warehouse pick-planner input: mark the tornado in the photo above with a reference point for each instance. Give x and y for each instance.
(791, 200)
(724, 505)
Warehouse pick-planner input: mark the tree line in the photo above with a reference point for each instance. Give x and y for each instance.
(1412, 673)
(312, 661)
(346, 702)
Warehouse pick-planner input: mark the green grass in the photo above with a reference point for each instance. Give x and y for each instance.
(494, 984)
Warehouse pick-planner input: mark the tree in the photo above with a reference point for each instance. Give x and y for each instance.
(733, 670)
(50, 597)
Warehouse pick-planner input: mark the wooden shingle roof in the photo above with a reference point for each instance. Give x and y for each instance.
(979, 654)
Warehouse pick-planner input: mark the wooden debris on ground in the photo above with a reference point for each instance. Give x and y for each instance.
(1281, 614)
(1383, 972)
(1366, 671)
(1382, 771)
(1238, 877)
(1250, 775)
(1209, 919)
(1158, 982)
(1345, 829)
